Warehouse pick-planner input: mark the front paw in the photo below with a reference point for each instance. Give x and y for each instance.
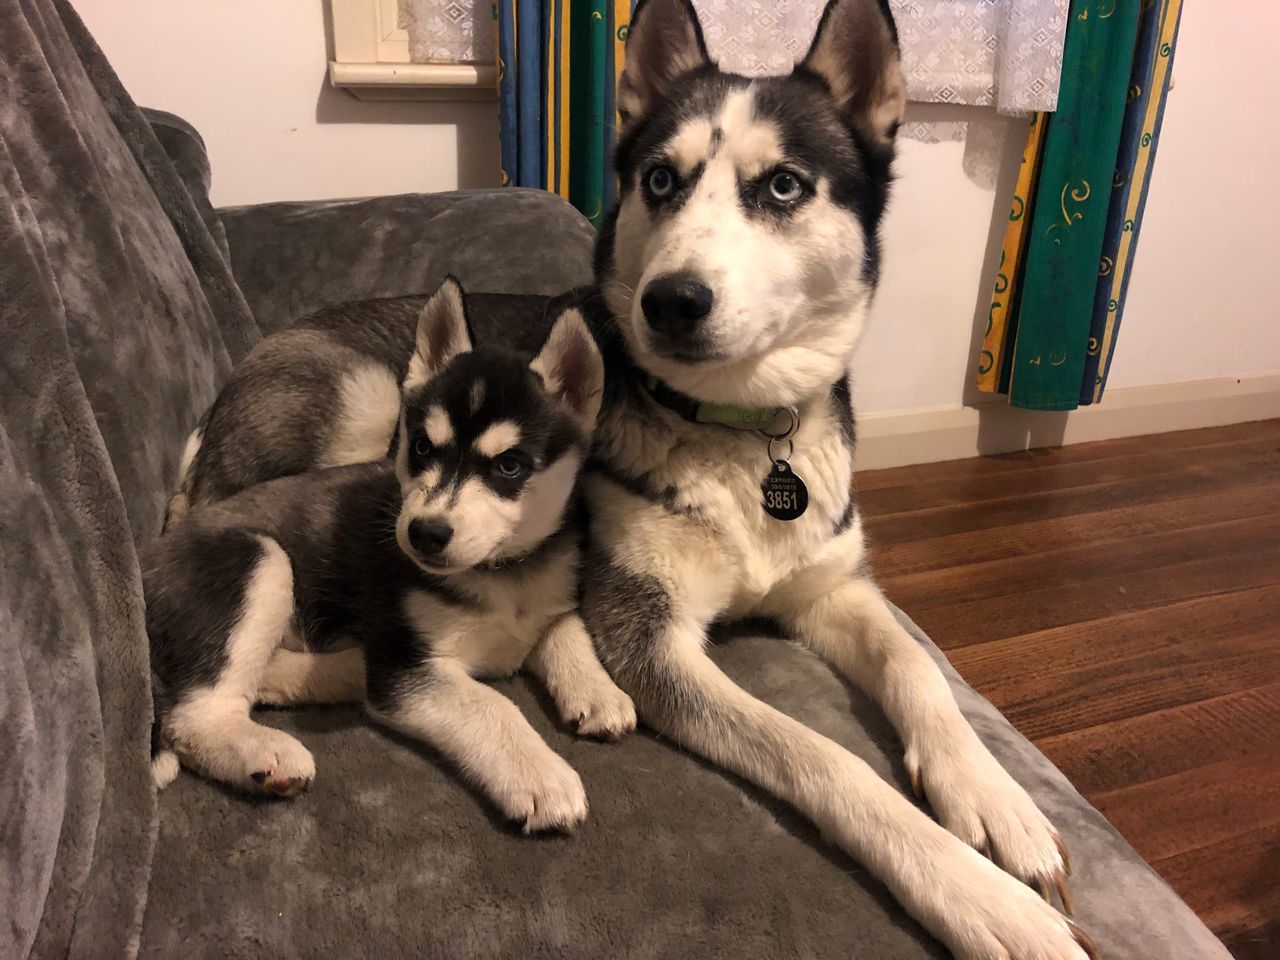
(600, 710)
(976, 799)
(545, 793)
(982, 913)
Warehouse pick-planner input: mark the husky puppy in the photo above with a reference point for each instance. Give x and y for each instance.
(734, 277)
(457, 562)
(326, 391)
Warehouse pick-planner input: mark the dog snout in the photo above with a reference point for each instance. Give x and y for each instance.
(675, 304)
(429, 537)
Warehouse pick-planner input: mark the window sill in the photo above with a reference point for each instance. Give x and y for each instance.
(415, 81)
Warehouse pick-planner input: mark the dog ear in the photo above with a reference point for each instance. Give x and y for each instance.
(571, 368)
(855, 53)
(664, 42)
(442, 333)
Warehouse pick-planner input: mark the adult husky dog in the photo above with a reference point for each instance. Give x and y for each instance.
(734, 277)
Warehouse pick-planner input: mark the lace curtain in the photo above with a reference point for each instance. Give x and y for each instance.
(1002, 53)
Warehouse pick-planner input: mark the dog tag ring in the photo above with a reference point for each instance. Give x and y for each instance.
(783, 494)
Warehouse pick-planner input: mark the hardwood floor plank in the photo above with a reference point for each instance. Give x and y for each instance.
(1196, 808)
(1067, 678)
(1039, 536)
(1234, 882)
(1104, 592)
(1207, 441)
(1108, 561)
(1122, 753)
(936, 493)
(1208, 478)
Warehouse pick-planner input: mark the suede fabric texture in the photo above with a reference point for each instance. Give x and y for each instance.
(295, 258)
(121, 312)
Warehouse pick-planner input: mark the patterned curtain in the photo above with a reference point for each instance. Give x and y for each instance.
(558, 66)
(1001, 53)
(1069, 246)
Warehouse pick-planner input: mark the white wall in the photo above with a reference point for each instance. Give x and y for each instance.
(251, 76)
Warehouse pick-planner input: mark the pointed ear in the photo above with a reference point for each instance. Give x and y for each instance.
(570, 366)
(664, 42)
(442, 333)
(855, 52)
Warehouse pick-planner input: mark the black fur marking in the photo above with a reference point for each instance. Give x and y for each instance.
(842, 409)
(842, 404)
(639, 486)
(633, 610)
(512, 393)
(194, 583)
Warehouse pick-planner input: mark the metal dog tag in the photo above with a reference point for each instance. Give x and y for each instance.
(785, 495)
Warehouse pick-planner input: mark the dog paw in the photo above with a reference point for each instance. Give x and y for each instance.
(982, 913)
(277, 764)
(546, 794)
(976, 799)
(603, 711)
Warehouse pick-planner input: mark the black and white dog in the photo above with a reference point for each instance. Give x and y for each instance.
(733, 281)
(459, 561)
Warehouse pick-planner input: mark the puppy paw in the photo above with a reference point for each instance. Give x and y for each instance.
(277, 764)
(545, 793)
(976, 799)
(601, 711)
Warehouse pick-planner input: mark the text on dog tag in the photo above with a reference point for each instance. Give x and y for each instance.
(785, 495)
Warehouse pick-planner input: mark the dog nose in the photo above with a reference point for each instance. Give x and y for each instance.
(429, 537)
(675, 303)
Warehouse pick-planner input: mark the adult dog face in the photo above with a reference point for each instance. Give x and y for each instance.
(743, 251)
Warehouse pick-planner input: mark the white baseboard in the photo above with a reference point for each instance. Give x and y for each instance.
(927, 436)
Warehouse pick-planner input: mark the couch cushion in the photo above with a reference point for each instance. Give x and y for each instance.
(292, 259)
(389, 855)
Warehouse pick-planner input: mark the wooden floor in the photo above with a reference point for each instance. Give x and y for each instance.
(1120, 602)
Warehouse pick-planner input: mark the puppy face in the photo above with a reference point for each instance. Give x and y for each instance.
(743, 253)
(490, 447)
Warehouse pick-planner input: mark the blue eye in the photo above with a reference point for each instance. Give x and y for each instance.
(785, 187)
(508, 466)
(661, 182)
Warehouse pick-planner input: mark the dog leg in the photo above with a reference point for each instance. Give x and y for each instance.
(296, 677)
(486, 737)
(587, 698)
(853, 629)
(655, 652)
(209, 726)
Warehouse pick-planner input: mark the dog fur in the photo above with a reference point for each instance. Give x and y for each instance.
(457, 563)
(737, 269)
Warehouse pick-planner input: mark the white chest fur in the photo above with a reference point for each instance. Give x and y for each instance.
(505, 614)
(715, 474)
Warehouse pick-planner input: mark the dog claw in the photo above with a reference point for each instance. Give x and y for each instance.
(288, 788)
(1042, 887)
(916, 786)
(1064, 894)
(1062, 852)
(1082, 938)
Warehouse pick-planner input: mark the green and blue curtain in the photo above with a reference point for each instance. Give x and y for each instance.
(1077, 208)
(558, 67)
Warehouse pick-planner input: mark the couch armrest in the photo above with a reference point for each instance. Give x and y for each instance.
(294, 258)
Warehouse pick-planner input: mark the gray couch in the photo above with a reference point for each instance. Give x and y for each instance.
(125, 301)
